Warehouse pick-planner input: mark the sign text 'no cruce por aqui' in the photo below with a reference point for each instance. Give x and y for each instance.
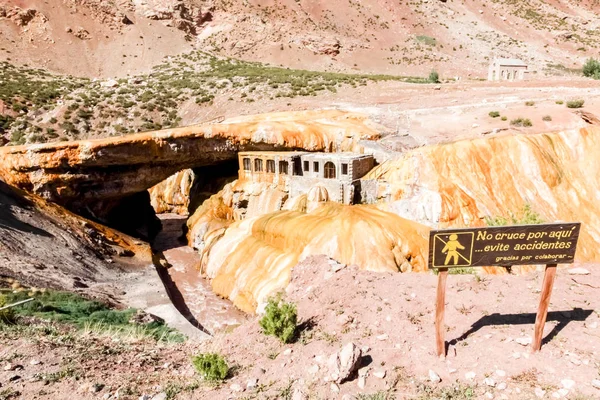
(503, 246)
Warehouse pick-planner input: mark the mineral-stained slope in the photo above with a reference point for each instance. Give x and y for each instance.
(253, 258)
(459, 184)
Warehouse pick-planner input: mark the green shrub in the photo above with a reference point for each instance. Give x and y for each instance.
(547, 118)
(525, 122)
(280, 319)
(434, 77)
(530, 103)
(591, 68)
(211, 366)
(504, 118)
(559, 102)
(6, 316)
(526, 216)
(494, 114)
(575, 103)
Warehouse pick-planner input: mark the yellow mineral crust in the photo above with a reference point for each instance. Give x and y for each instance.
(254, 258)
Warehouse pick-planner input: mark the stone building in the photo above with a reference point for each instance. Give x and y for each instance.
(507, 69)
(297, 172)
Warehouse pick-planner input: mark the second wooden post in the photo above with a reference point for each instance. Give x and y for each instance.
(439, 312)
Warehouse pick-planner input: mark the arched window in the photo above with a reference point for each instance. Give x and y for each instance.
(258, 165)
(246, 164)
(329, 170)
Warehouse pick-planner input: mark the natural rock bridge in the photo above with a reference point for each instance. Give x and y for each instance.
(93, 177)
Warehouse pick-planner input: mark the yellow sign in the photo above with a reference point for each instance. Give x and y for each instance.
(453, 249)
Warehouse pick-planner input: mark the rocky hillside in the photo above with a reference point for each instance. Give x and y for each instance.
(43, 245)
(457, 37)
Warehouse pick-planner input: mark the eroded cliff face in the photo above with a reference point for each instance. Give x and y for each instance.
(459, 184)
(250, 260)
(173, 194)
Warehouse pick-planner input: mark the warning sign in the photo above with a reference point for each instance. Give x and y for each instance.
(504, 246)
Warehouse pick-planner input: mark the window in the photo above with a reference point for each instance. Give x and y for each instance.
(329, 170)
(271, 166)
(316, 166)
(247, 164)
(306, 166)
(283, 167)
(258, 165)
(344, 169)
(297, 166)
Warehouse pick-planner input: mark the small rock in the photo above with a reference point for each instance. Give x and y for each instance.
(345, 362)
(499, 372)
(313, 369)
(348, 397)
(539, 392)
(593, 325)
(596, 383)
(14, 378)
(379, 374)
(298, 394)
(437, 88)
(488, 395)
(334, 387)
(252, 384)
(575, 361)
(35, 362)
(362, 377)
(382, 337)
(489, 382)
(516, 355)
(287, 352)
(96, 387)
(236, 387)
(142, 397)
(567, 383)
(524, 341)
(470, 375)
(578, 271)
(501, 386)
(452, 370)
(434, 377)
(563, 392)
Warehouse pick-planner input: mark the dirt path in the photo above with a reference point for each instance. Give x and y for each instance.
(192, 294)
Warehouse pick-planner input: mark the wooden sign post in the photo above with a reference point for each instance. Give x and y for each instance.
(549, 244)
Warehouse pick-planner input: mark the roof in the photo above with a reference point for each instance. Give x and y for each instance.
(337, 156)
(272, 153)
(512, 62)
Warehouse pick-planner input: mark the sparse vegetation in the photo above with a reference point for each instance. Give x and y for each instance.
(559, 102)
(575, 103)
(87, 315)
(523, 122)
(494, 114)
(434, 77)
(591, 68)
(211, 366)
(525, 216)
(504, 118)
(530, 103)
(280, 319)
(547, 118)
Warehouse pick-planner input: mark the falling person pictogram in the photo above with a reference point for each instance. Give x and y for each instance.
(451, 248)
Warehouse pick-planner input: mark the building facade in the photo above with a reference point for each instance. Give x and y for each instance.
(298, 172)
(507, 69)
